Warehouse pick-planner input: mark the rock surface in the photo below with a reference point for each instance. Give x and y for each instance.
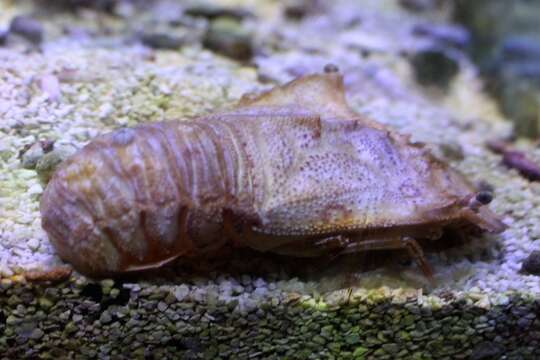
(507, 47)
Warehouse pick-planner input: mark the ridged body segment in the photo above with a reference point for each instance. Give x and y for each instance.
(139, 196)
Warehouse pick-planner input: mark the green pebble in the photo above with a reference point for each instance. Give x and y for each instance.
(403, 335)
(37, 334)
(45, 303)
(359, 352)
(70, 327)
(408, 320)
(46, 165)
(114, 293)
(326, 331)
(391, 348)
(319, 340)
(334, 347)
(13, 300)
(107, 283)
(352, 339)
(11, 320)
(105, 317)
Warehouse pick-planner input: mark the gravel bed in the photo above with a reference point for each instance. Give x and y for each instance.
(73, 87)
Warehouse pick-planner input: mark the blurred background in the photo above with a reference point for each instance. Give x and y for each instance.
(502, 37)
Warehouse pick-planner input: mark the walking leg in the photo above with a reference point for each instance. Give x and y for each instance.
(412, 246)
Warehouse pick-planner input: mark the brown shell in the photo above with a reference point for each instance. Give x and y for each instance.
(295, 163)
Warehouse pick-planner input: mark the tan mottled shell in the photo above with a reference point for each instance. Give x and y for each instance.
(295, 162)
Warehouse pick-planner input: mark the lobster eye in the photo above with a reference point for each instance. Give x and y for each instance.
(484, 197)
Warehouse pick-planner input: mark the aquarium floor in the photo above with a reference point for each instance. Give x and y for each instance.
(69, 90)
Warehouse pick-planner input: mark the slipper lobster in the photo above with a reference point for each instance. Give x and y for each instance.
(292, 171)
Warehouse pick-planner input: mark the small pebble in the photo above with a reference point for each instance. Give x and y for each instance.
(330, 68)
(105, 110)
(162, 41)
(417, 5)
(214, 11)
(107, 283)
(434, 67)
(45, 303)
(3, 37)
(452, 151)
(531, 265)
(229, 38)
(50, 85)
(162, 306)
(181, 292)
(47, 164)
(32, 155)
(105, 317)
(299, 9)
(37, 334)
(486, 351)
(33, 244)
(28, 28)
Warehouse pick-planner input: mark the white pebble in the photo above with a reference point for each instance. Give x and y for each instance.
(33, 244)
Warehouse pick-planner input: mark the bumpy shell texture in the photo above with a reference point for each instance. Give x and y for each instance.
(291, 164)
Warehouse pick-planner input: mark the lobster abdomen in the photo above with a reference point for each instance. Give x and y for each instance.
(136, 198)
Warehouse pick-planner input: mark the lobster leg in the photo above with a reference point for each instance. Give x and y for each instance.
(313, 248)
(405, 242)
(308, 247)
